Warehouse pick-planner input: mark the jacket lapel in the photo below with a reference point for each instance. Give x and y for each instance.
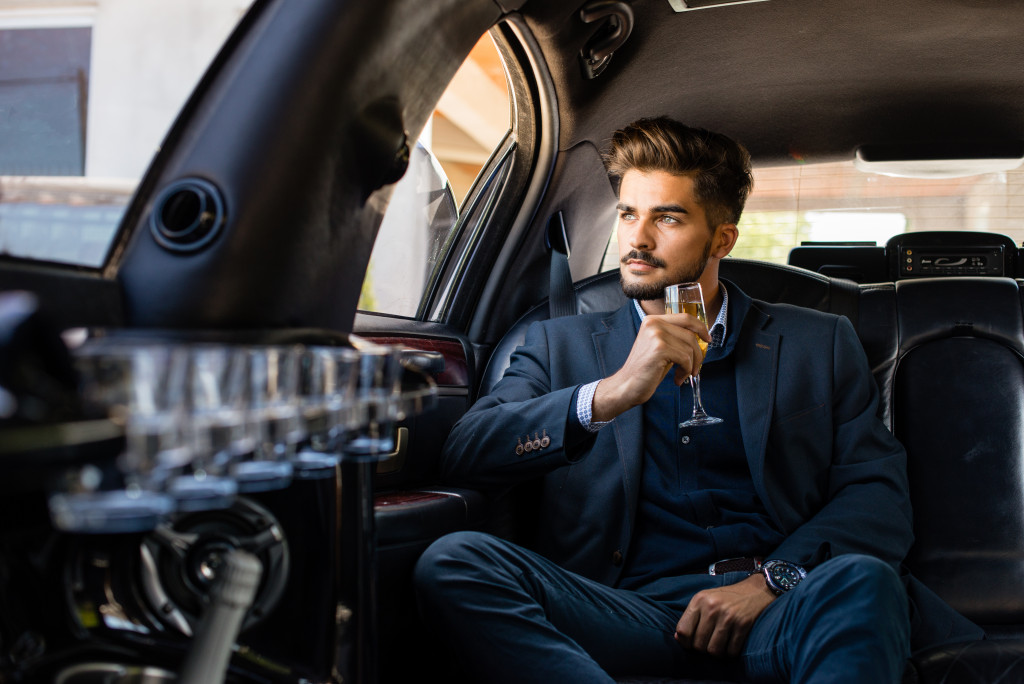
(756, 373)
(612, 347)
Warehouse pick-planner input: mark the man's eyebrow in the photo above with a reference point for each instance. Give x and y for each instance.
(661, 209)
(669, 209)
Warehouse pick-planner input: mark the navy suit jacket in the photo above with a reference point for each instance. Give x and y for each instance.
(829, 473)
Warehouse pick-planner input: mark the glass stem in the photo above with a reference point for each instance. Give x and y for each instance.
(698, 408)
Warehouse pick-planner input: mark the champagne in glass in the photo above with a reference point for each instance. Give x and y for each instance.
(688, 298)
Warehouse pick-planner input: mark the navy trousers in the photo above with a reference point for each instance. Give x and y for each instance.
(510, 615)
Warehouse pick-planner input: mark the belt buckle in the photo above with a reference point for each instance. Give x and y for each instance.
(740, 564)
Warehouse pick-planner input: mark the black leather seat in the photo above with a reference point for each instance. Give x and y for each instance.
(948, 355)
(957, 404)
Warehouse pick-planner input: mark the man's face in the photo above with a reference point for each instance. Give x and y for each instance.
(664, 237)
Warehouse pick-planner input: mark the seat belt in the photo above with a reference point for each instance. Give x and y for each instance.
(561, 297)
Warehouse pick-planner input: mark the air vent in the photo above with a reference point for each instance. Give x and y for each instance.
(188, 215)
(691, 5)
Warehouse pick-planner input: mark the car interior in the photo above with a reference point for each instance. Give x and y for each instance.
(292, 173)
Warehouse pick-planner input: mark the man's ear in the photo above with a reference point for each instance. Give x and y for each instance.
(725, 238)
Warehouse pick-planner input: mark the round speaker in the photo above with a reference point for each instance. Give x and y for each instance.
(181, 561)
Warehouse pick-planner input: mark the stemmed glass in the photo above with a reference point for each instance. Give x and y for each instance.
(378, 403)
(327, 380)
(274, 420)
(216, 426)
(142, 387)
(688, 298)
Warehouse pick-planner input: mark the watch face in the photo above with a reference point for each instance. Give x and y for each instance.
(785, 576)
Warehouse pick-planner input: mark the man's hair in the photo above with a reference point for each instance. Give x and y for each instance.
(719, 165)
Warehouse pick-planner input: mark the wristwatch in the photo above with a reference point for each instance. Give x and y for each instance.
(781, 576)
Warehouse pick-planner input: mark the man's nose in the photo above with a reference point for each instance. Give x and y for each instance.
(642, 236)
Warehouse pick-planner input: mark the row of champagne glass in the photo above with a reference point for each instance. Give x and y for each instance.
(204, 422)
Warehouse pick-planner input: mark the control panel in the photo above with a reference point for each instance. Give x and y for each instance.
(932, 261)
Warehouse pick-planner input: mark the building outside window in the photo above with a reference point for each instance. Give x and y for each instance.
(88, 89)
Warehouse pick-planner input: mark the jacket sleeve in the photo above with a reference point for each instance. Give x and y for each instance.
(494, 443)
(864, 490)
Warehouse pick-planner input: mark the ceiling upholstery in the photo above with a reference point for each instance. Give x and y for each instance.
(804, 79)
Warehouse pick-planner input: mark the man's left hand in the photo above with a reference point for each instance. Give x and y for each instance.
(718, 620)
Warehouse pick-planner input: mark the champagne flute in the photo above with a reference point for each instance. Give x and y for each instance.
(141, 388)
(216, 427)
(378, 398)
(274, 420)
(326, 395)
(688, 298)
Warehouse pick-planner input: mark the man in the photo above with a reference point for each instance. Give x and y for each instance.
(634, 509)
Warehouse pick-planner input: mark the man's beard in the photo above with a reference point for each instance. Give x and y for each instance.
(687, 273)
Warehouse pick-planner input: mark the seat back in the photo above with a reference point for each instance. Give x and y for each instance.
(601, 292)
(958, 408)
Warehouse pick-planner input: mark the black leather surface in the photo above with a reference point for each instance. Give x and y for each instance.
(934, 308)
(975, 662)
(958, 408)
(959, 411)
(597, 293)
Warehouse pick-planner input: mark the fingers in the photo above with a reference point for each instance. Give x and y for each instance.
(718, 621)
(690, 323)
(684, 350)
(704, 632)
(687, 626)
(663, 342)
(673, 338)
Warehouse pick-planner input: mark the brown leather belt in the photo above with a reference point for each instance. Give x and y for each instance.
(747, 565)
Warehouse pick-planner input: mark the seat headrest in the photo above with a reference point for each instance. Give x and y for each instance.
(934, 308)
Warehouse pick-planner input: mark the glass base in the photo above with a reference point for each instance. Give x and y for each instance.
(109, 512)
(309, 464)
(701, 420)
(207, 493)
(363, 449)
(262, 476)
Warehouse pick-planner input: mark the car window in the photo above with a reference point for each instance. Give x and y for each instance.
(471, 120)
(87, 93)
(836, 202)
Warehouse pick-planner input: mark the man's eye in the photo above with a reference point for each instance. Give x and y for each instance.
(669, 219)
(626, 216)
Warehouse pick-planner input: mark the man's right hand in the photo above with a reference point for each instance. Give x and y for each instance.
(663, 341)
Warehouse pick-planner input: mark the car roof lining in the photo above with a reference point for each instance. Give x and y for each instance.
(808, 78)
